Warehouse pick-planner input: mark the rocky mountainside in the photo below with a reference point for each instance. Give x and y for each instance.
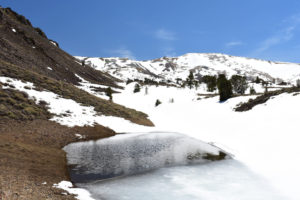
(23, 45)
(26, 54)
(172, 68)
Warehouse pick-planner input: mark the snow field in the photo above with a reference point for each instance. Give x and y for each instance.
(265, 138)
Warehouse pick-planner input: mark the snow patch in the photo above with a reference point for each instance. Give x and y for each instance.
(79, 136)
(53, 43)
(81, 194)
(67, 111)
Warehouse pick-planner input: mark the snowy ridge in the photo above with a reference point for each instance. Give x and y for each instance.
(171, 68)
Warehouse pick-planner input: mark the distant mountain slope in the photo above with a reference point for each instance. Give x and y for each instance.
(168, 68)
(23, 45)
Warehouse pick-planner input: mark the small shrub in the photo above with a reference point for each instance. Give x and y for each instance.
(108, 92)
(252, 90)
(30, 111)
(43, 103)
(157, 103)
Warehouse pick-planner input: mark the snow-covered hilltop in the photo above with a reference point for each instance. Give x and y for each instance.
(172, 68)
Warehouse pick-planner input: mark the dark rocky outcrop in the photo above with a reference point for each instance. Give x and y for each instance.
(264, 98)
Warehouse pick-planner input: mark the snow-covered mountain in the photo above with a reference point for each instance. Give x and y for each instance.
(171, 68)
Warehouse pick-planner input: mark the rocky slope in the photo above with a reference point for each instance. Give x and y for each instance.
(27, 46)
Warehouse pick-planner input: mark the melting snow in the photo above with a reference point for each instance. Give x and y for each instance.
(80, 194)
(67, 111)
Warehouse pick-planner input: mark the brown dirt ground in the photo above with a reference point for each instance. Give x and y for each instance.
(31, 153)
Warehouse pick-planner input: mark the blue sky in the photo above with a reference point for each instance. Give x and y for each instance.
(140, 29)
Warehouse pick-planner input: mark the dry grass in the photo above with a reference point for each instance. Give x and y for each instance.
(16, 105)
(30, 154)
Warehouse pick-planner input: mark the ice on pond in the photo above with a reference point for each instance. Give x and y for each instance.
(130, 154)
(221, 180)
(162, 166)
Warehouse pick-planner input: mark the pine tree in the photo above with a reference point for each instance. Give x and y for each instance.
(137, 88)
(224, 87)
(211, 82)
(257, 80)
(190, 80)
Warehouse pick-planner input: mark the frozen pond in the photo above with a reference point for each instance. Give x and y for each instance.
(221, 180)
(131, 154)
(162, 166)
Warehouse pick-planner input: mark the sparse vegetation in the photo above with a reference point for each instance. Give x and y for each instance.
(16, 105)
(264, 98)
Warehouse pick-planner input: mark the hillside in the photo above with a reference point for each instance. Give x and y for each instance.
(27, 54)
(27, 46)
(42, 109)
(172, 68)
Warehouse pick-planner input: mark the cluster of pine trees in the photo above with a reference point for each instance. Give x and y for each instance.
(226, 87)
